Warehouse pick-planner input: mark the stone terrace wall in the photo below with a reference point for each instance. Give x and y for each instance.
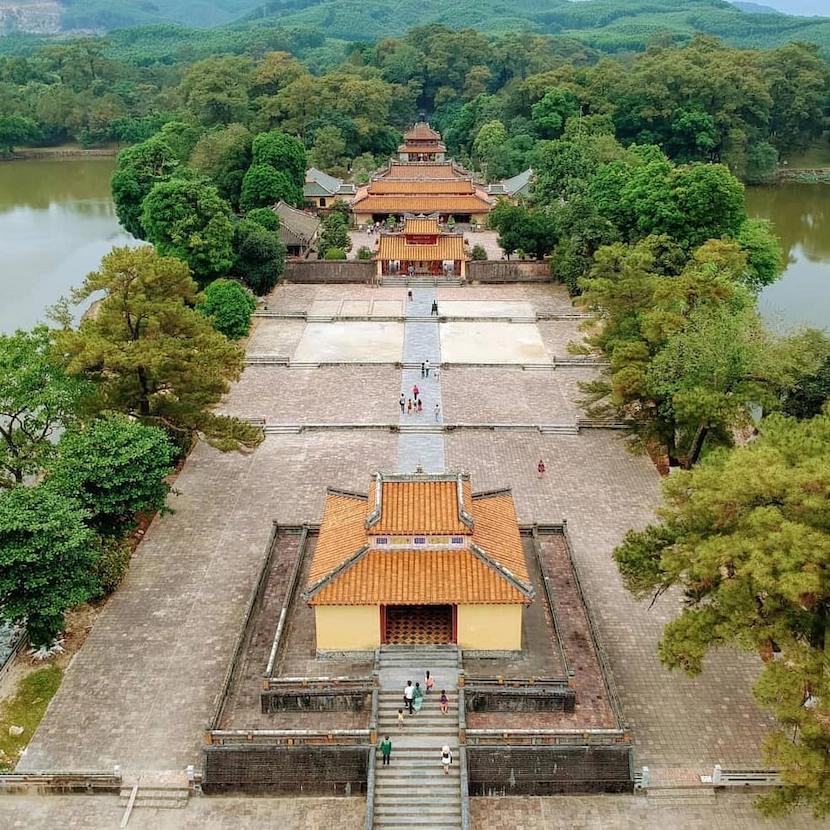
(506, 699)
(299, 770)
(316, 700)
(508, 271)
(549, 770)
(330, 272)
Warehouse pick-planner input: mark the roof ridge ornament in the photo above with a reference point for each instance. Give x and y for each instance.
(374, 517)
(465, 517)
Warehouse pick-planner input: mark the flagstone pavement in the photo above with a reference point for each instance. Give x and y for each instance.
(142, 689)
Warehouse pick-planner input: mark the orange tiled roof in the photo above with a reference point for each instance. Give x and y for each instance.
(424, 147)
(393, 247)
(422, 204)
(422, 170)
(423, 227)
(402, 187)
(496, 532)
(422, 131)
(420, 507)
(342, 533)
(419, 577)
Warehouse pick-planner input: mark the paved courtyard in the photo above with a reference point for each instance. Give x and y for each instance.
(144, 686)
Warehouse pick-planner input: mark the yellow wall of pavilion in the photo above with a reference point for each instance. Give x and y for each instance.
(490, 627)
(347, 627)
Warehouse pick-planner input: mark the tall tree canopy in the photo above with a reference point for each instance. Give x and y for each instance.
(746, 536)
(37, 398)
(189, 220)
(150, 352)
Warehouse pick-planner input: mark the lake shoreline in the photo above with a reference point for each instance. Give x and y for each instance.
(33, 153)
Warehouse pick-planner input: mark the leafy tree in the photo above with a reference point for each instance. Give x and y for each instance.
(478, 253)
(113, 563)
(334, 234)
(229, 306)
(189, 220)
(263, 186)
(260, 256)
(329, 149)
(37, 399)
(489, 141)
(223, 156)
(15, 129)
(215, 90)
(265, 217)
(765, 259)
(138, 170)
(551, 112)
(746, 536)
(152, 355)
(334, 254)
(529, 230)
(809, 394)
(365, 253)
(47, 559)
(115, 468)
(284, 153)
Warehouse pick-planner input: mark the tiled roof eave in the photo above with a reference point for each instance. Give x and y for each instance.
(524, 588)
(328, 578)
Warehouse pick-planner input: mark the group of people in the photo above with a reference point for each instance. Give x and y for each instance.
(414, 404)
(413, 700)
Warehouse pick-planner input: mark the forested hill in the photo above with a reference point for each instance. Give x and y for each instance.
(610, 25)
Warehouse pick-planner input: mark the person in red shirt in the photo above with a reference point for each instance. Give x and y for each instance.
(541, 468)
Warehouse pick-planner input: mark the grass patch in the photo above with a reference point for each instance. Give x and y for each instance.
(817, 155)
(26, 708)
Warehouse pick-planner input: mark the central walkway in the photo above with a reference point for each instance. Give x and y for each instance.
(413, 791)
(422, 448)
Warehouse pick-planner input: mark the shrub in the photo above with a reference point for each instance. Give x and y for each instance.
(230, 307)
(364, 252)
(335, 253)
(112, 564)
(478, 253)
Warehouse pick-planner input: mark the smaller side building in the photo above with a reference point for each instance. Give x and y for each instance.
(419, 559)
(320, 190)
(298, 230)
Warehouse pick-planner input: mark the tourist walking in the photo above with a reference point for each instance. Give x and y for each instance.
(415, 391)
(408, 695)
(434, 309)
(400, 718)
(429, 682)
(402, 402)
(425, 367)
(422, 371)
(420, 408)
(409, 407)
(417, 698)
(541, 468)
(409, 294)
(446, 759)
(386, 750)
(444, 701)
(437, 412)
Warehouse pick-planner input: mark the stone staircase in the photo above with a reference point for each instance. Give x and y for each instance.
(420, 280)
(413, 790)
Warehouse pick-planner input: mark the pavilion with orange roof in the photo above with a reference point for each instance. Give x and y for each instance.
(422, 245)
(419, 559)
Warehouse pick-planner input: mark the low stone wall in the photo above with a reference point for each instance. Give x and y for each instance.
(282, 770)
(59, 783)
(316, 700)
(500, 271)
(549, 770)
(526, 699)
(330, 272)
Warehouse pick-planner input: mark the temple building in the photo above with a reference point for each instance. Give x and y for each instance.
(421, 143)
(421, 249)
(419, 559)
(320, 190)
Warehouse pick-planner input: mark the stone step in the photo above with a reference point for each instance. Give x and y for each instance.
(158, 797)
(298, 365)
(559, 429)
(282, 429)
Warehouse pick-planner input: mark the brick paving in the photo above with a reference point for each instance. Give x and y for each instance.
(142, 689)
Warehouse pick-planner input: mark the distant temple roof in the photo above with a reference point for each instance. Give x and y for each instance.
(421, 131)
(318, 183)
(515, 186)
(419, 540)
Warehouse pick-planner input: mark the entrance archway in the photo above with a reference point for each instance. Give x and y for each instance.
(414, 625)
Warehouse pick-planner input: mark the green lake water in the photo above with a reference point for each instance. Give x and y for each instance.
(57, 220)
